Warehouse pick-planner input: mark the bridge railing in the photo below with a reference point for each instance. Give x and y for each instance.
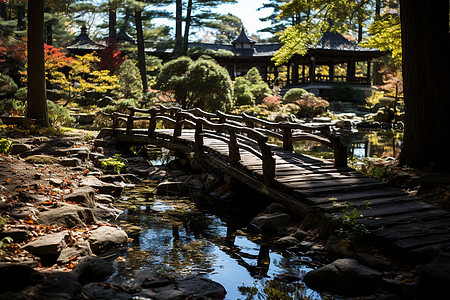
(237, 131)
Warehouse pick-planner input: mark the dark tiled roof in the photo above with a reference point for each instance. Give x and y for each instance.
(243, 38)
(83, 42)
(122, 36)
(335, 41)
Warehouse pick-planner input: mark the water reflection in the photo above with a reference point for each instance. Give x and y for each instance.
(174, 237)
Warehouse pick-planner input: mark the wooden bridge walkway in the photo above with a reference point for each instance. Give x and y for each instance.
(238, 146)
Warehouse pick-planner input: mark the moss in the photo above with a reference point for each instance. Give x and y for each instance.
(41, 159)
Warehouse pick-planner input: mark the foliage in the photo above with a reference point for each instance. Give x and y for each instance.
(311, 106)
(111, 58)
(386, 36)
(117, 106)
(12, 106)
(250, 89)
(351, 229)
(342, 91)
(210, 52)
(293, 95)
(368, 166)
(272, 102)
(242, 93)
(4, 148)
(88, 137)
(58, 114)
(116, 163)
(202, 83)
(7, 86)
(374, 99)
(130, 83)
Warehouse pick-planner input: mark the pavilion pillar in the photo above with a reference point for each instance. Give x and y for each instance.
(288, 77)
(351, 71)
(303, 73)
(331, 72)
(295, 73)
(369, 79)
(312, 69)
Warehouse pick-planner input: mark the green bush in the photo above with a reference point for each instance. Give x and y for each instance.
(7, 106)
(293, 95)
(4, 146)
(311, 107)
(120, 106)
(242, 93)
(7, 86)
(59, 115)
(130, 82)
(251, 83)
(342, 91)
(116, 163)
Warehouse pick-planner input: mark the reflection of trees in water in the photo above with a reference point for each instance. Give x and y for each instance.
(274, 289)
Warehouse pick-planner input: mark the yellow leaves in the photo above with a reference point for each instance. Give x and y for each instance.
(8, 180)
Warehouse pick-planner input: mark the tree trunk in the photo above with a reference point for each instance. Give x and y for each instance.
(112, 26)
(425, 47)
(178, 19)
(141, 50)
(377, 77)
(187, 28)
(37, 103)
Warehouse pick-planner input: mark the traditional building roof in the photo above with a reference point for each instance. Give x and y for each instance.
(243, 38)
(84, 44)
(123, 37)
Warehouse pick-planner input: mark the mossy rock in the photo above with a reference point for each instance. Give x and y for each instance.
(41, 159)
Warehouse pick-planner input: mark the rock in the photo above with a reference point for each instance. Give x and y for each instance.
(18, 235)
(59, 285)
(192, 287)
(93, 269)
(56, 181)
(15, 277)
(275, 208)
(372, 261)
(80, 249)
(102, 187)
(101, 291)
(83, 195)
(337, 246)
(300, 234)
(103, 198)
(50, 244)
(113, 178)
(18, 148)
(70, 162)
(104, 212)
(41, 159)
(158, 174)
(434, 278)
(139, 165)
(106, 237)
(344, 277)
(22, 212)
(172, 188)
(272, 224)
(286, 242)
(67, 215)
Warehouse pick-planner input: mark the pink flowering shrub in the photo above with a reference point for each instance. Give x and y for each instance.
(272, 102)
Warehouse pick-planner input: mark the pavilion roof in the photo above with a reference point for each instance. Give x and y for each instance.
(83, 42)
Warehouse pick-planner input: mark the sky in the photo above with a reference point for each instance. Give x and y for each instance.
(246, 10)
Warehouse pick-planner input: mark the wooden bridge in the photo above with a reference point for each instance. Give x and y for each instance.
(239, 147)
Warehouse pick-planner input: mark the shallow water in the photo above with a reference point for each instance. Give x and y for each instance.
(175, 237)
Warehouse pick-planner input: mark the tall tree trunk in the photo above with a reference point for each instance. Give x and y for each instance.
(112, 25)
(360, 31)
(37, 103)
(425, 46)
(3, 10)
(20, 13)
(48, 29)
(141, 50)
(377, 77)
(178, 23)
(187, 27)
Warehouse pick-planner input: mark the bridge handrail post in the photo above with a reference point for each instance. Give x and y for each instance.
(178, 126)
(233, 149)
(268, 163)
(287, 139)
(115, 118)
(339, 149)
(152, 125)
(198, 146)
(130, 119)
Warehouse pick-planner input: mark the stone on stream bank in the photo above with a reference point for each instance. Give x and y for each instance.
(271, 224)
(83, 195)
(344, 277)
(93, 269)
(67, 215)
(50, 244)
(106, 237)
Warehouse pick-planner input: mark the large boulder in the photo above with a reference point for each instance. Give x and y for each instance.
(18, 148)
(273, 223)
(192, 287)
(434, 278)
(59, 285)
(93, 269)
(100, 291)
(106, 237)
(102, 187)
(15, 277)
(83, 195)
(344, 277)
(80, 249)
(49, 244)
(70, 162)
(67, 215)
(18, 235)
